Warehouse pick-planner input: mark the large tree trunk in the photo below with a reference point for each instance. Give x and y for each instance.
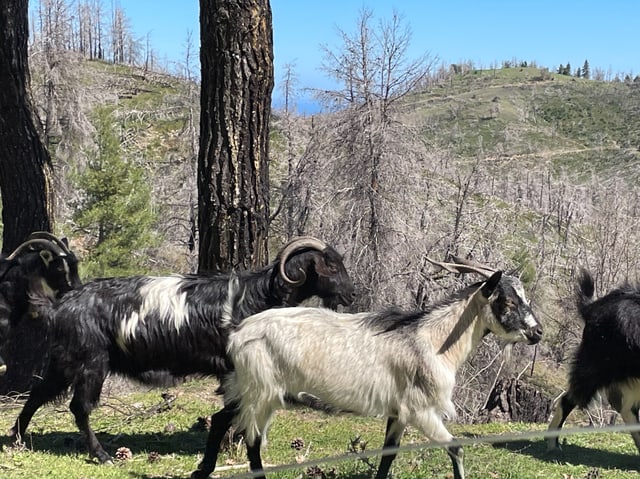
(25, 165)
(236, 56)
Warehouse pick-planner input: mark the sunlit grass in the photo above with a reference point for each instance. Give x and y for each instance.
(164, 441)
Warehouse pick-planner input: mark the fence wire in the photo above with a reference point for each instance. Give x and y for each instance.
(489, 439)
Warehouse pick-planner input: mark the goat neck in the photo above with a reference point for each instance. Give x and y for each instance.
(457, 329)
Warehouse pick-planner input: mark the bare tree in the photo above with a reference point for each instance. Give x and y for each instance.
(25, 165)
(372, 151)
(237, 79)
(124, 49)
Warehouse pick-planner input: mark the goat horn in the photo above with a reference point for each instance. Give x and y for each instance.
(294, 245)
(51, 237)
(36, 241)
(462, 267)
(473, 264)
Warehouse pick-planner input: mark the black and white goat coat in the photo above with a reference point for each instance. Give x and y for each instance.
(176, 324)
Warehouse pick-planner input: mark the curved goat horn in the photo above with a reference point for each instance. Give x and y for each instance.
(51, 237)
(474, 264)
(294, 245)
(462, 266)
(36, 241)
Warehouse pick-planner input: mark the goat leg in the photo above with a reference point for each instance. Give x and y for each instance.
(392, 437)
(563, 409)
(456, 455)
(253, 453)
(220, 424)
(85, 397)
(48, 389)
(623, 397)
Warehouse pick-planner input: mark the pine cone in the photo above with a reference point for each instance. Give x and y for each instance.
(153, 456)
(123, 454)
(297, 444)
(314, 472)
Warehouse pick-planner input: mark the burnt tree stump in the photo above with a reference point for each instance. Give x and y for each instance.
(513, 400)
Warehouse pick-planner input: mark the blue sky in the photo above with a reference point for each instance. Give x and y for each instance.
(485, 32)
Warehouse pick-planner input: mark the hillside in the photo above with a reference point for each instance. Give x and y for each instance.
(155, 117)
(518, 167)
(518, 157)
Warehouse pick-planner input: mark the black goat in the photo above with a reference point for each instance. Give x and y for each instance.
(178, 324)
(608, 357)
(42, 265)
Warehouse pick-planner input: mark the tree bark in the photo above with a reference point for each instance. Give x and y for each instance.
(236, 57)
(513, 400)
(25, 165)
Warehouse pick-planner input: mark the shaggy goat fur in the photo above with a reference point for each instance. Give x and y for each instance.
(393, 364)
(177, 324)
(42, 265)
(608, 357)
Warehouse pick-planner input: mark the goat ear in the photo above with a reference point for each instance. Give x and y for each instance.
(322, 267)
(489, 285)
(47, 257)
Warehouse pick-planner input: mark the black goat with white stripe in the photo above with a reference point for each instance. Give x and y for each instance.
(177, 324)
(42, 265)
(608, 357)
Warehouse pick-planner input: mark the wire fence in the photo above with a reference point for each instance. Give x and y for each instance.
(488, 439)
(12, 402)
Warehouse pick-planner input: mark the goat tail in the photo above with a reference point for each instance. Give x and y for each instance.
(586, 289)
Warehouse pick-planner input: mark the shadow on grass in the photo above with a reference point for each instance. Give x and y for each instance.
(63, 443)
(575, 455)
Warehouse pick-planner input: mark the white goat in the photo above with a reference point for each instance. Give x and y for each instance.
(394, 364)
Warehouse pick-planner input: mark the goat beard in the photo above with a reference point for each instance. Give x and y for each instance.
(507, 351)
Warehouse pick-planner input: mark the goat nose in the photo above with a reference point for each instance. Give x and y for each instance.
(535, 334)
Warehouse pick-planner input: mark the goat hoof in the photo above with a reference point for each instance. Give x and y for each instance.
(554, 446)
(104, 458)
(198, 475)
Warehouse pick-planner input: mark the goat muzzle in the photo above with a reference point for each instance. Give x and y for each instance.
(534, 334)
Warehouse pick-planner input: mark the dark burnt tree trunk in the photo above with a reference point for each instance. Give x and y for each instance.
(25, 183)
(25, 164)
(236, 57)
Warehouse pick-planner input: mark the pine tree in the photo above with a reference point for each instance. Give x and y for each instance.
(586, 73)
(567, 69)
(115, 209)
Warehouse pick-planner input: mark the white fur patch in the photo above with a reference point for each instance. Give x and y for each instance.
(530, 321)
(162, 297)
(46, 289)
(233, 289)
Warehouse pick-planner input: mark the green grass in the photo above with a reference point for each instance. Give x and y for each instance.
(164, 444)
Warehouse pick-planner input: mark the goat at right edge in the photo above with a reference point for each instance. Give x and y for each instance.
(608, 357)
(393, 364)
